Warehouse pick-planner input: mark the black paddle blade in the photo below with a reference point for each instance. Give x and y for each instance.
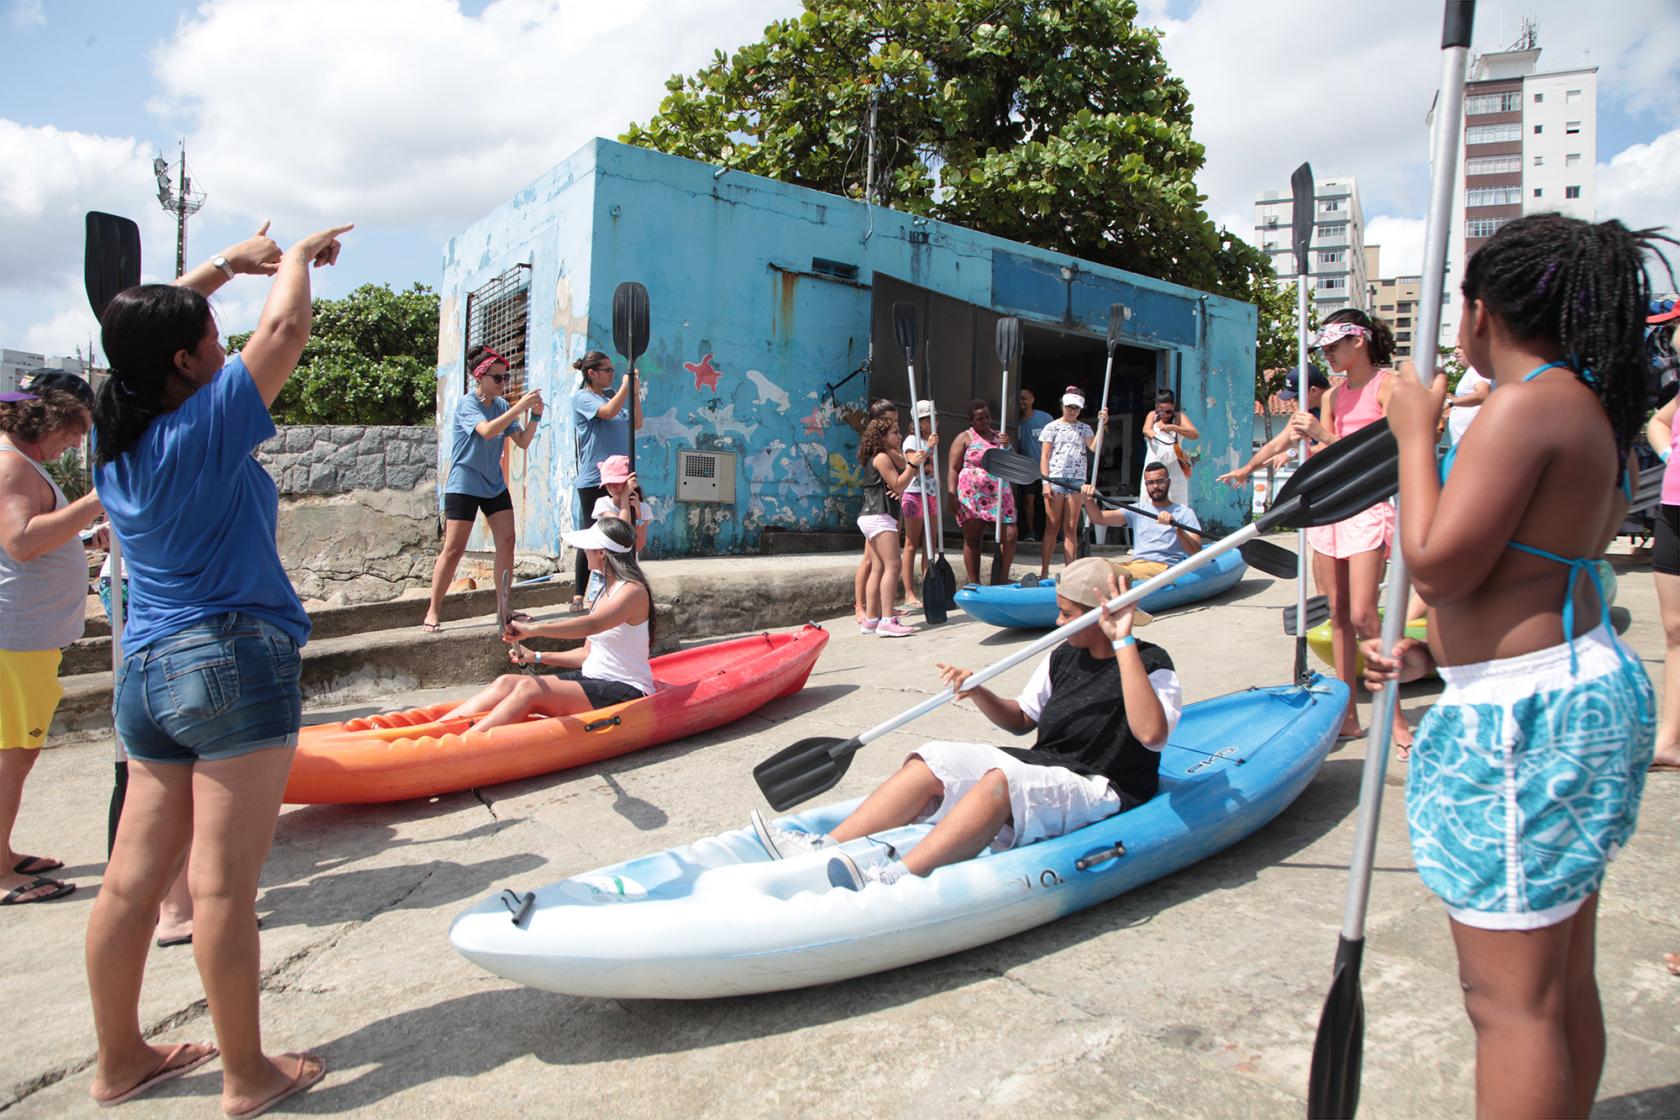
(999, 574)
(1318, 609)
(630, 319)
(800, 772)
(1085, 535)
(1118, 313)
(939, 592)
(112, 259)
(1353, 474)
(904, 327)
(1338, 1052)
(1011, 466)
(1273, 559)
(504, 601)
(1301, 188)
(1009, 346)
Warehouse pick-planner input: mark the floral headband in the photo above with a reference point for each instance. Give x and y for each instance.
(1335, 332)
(484, 367)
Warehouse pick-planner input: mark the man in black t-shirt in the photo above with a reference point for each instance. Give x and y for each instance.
(1102, 703)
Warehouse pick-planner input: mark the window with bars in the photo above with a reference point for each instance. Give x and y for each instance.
(1571, 192)
(1493, 165)
(497, 317)
(1483, 227)
(1493, 133)
(1493, 196)
(1508, 102)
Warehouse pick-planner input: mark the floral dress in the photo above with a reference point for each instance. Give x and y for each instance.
(977, 491)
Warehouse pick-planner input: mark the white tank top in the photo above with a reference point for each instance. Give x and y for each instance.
(43, 603)
(621, 654)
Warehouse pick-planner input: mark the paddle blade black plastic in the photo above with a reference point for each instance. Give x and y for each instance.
(1318, 609)
(1116, 325)
(904, 327)
(112, 258)
(1338, 1052)
(1301, 189)
(800, 772)
(939, 591)
(630, 319)
(1011, 466)
(1649, 492)
(1009, 345)
(1264, 556)
(1353, 474)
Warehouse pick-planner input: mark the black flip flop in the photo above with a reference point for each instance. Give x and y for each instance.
(36, 865)
(12, 897)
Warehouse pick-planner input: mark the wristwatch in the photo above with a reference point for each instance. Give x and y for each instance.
(221, 262)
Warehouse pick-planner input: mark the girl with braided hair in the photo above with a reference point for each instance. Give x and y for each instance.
(1528, 771)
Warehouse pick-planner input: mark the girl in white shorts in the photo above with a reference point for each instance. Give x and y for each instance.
(886, 473)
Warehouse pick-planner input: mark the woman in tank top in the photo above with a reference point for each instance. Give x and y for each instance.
(43, 596)
(611, 667)
(1349, 557)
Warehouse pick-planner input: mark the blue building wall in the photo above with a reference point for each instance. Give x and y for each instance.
(745, 337)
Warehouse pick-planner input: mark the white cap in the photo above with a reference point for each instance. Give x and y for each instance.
(1073, 399)
(924, 410)
(592, 537)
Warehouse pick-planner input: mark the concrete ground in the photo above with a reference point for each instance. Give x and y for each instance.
(1196, 996)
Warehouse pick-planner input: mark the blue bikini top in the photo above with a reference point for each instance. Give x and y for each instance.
(1578, 566)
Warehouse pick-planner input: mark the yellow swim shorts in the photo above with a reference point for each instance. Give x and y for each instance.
(29, 695)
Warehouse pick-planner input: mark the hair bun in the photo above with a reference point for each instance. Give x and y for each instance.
(577, 364)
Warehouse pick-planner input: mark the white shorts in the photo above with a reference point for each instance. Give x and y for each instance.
(1044, 801)
(872, 525)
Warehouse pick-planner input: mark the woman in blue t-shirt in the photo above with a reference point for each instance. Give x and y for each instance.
(207, 700)
(482, 421)
(603, 430)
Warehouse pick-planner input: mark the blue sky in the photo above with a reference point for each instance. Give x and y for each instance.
(414, 117)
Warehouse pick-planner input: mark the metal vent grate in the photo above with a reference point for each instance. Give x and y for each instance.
(706, 476)
(496, 317)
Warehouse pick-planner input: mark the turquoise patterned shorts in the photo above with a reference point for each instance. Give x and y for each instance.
(1526, 781)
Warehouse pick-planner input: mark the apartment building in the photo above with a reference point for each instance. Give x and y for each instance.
(15, 363)
(1530, 145)
(1395, 302)
(1337, 263)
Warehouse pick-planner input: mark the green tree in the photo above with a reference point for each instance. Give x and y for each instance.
(1055, 124)
(371, 359)
(68, 471)
(1450, 361)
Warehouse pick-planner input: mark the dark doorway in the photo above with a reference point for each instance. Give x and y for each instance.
(1055, 359)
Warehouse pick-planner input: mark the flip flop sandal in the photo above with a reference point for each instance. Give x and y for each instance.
(36, 865)
(300, 1081)
(431, 627)
(164, 1072)
(520, 616)
(578, 606)
(14, 897)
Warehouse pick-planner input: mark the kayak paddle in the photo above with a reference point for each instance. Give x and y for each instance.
(1118, 313)
(1352, 475)
(1338, 1051)
(947, 578)
(1317, 609)
(1302, 188)
(630, 338)
(110, 263)
(1274, 560)
(938, 596)
(1009, 356)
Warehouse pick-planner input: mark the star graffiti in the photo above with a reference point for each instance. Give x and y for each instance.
(705, 374)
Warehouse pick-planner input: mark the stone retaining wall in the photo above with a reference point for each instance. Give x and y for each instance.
(358, 509)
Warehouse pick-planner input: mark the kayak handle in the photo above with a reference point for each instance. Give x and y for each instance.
(522, 910)
(1085, 863)
(610, 721)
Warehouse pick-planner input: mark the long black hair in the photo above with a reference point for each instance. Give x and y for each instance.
(142, 330)
(1583, 286)
(1381, 343)
(624, 565)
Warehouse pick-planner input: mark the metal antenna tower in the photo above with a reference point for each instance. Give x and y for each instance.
(178, 198)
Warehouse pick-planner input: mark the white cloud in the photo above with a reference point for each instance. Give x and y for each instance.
(411, 112)
(1402, 244)
(1641, 186)
(24, 14)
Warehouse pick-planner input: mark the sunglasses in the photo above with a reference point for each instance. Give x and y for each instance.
(498, 378)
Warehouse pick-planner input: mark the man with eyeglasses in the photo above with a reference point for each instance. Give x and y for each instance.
(1157, 542)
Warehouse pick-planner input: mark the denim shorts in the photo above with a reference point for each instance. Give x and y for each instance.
(220, 688)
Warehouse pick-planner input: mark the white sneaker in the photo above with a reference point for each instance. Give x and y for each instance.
(783, 843)
(843, 871)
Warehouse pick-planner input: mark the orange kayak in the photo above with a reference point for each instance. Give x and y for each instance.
(416, 753)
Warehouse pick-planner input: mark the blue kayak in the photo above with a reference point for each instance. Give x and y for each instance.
(1034, 608)
(717, 917)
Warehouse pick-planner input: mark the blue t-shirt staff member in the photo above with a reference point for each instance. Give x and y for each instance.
(481, 421)
(1157, 543)
(603, 427)
(207, 699)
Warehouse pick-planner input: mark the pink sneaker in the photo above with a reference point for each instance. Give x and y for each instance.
(868, 625)
(892, 628)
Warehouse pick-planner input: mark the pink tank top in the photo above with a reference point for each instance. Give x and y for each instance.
(1359, 407)
(1671, 471)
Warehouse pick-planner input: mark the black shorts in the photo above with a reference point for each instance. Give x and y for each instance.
(1665, 553)
(465, 507)
(600, 693)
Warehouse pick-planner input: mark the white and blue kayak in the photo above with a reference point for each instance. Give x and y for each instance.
(1034, 608)
(718, 917)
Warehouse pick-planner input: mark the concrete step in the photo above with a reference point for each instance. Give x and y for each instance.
(362, 653)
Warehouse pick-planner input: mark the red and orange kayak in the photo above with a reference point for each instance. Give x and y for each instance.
(417, 753)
